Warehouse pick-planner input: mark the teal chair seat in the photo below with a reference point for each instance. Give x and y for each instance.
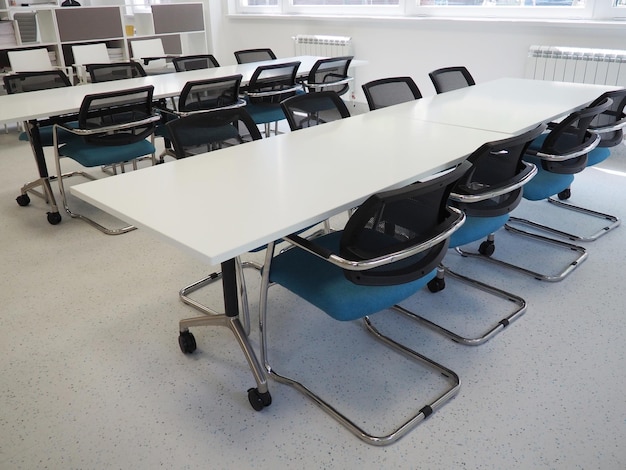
(90, 155)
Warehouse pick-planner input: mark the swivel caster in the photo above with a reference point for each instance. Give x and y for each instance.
(487, 248)
(565, 194)
(54, 218)
(259, 400)
(187, 342)
(436, 284)
(23, 200)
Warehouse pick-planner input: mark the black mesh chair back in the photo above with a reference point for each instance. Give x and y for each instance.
(114, 71)
(611, 122)
(247, 56)
(389, 91)
(451, 78)
(195, 62)
(330, 75)
(117, 108)
(271, 84)
(202, 95)
(498, 171)
(312, 109)
(203, 132)
(32, 81)
(571, 136)
(397, 220)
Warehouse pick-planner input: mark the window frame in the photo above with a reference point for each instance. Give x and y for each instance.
(596, 10)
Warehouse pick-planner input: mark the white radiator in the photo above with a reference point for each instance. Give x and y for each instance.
(320, 45)
(574, 64)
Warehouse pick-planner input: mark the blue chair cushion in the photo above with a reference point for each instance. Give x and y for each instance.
(477, 228)
(598, 155)
(45, 134)
(325, 286)
(545, 183)
(262, 114)
(89, 155)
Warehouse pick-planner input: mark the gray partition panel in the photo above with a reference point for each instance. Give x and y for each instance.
(84, 24)
(178, 18)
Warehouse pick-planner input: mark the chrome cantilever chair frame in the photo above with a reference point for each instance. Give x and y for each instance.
(481, 191)
(576, 153)
(363, 265)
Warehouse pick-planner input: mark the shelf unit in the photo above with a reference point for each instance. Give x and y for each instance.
(179, 25)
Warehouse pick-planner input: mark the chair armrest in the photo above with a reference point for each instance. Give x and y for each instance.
(100, 130)
(363, 265)
(489, 192)
(605, 129)
(147, 60)
(590, 143)
(240, 103)
(327, 84)
(261, 94)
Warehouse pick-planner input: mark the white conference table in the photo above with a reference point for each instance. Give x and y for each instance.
(273, 187)
(39, 105)
(508, 105)
(269, 188)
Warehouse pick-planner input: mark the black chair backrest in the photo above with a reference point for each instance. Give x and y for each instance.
(254, 55)
(571, 135)
(496, 166)
(389, 91)
(199, 95)
(612, 117)
(21, 82)
(273, 80)
(451, 78)
(117, 108)
(115, 71)
(312, 109)
(195, 62)
(203, 132)
(397, 220)
(327, 71)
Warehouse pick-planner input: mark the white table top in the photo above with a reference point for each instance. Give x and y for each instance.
(221, 204)
(509, 105)
(40, 104)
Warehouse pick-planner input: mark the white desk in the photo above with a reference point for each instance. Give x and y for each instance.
(508, 105)
(269, 188)
(37, 105)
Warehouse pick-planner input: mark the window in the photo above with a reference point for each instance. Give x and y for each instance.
(578, 9)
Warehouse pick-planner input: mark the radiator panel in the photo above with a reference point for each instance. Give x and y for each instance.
(579, 65)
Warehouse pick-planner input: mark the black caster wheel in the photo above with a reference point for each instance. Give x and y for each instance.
(187, 342)
(565, 194)
(23, 200)
(258, 400)
(487, 248)
(54, 218)
(436, 284)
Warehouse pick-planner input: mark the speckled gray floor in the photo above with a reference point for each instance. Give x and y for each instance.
(92, 376)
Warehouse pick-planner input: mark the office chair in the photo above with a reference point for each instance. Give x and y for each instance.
(329, 75)
(388, 250)
(609, 126)
(558, 154)
(487, 194)
(389, 91)
(195, 62)
(114, 128)
(198, 133)
(312, 109)
(114, 71)
(247, 56)
(24, 82)
(197, 96)
(151, 53)
(451, 78)
(268, 86)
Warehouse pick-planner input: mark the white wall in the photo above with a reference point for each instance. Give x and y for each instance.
(490, 49)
